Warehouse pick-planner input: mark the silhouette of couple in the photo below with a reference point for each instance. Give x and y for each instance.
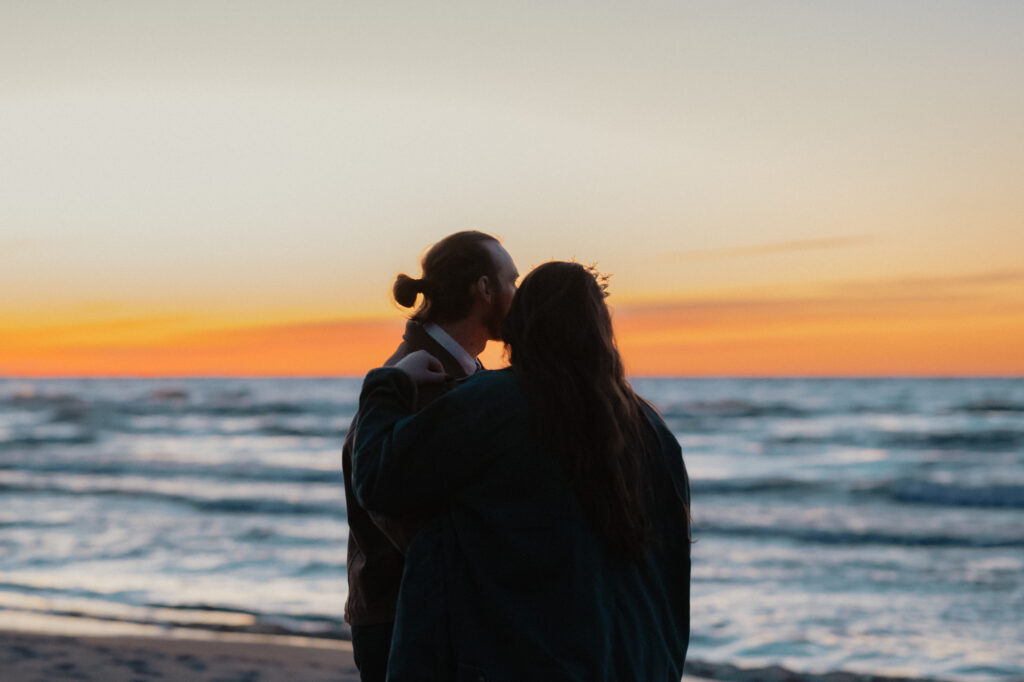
(524, 524)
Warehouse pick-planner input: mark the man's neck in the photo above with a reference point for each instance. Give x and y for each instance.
(467, 334)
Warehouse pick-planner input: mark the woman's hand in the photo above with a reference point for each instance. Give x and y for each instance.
(422, 368)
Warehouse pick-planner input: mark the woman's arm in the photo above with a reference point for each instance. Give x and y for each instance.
(403, 460)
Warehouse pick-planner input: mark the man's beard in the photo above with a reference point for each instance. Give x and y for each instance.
(496, 315)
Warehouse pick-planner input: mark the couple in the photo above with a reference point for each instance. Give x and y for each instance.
(529, 523)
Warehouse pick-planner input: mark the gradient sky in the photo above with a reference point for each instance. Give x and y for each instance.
(808, 188)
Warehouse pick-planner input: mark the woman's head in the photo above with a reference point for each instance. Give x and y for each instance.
(559, 317)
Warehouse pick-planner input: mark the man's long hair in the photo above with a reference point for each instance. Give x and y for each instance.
(558, 335)
(450, 268)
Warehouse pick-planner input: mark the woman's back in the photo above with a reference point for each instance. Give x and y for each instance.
(530, 589)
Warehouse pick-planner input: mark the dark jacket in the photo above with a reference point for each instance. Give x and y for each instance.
(510, 582)
(375, 561)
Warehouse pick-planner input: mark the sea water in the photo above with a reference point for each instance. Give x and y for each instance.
(868, 525)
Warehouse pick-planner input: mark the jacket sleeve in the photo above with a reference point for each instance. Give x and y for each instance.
(672, 453)
(404, 460)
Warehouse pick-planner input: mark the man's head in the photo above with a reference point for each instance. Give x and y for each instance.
(466, 276)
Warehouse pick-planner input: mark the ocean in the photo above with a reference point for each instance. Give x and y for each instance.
(862, 525)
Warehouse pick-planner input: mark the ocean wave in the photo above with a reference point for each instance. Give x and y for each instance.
(269, 535)
(844, 537)
(92, 421)
(163, 615)
(40, 525)
(909, 491)
(221, 506)
(42, 441)
(842, 438)
(733, 409)
(212, 608)
(302, 432)
(229, 409)
(903, 491)
(996, 439)
(314, 567)
(77, 413)
(261, 506)
(171, 394)
(991, 440)
(991, 406)
(726, 671)
(73, 409)
(164, 470)
(34, 401)
(50, 591)
(252, 410)
(217, 608)
(745, 486)
(120, 607)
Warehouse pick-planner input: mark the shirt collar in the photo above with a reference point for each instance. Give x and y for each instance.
(461, 355)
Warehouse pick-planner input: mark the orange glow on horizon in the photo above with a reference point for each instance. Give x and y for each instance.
(786, 337)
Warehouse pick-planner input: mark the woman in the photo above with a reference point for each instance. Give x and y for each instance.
(560, 550)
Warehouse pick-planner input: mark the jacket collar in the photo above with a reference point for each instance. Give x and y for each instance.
(461, 355)
(417, 338)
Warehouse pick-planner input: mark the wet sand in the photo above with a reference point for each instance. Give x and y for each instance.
(27, 657)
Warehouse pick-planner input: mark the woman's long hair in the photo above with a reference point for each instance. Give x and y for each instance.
(558, 335)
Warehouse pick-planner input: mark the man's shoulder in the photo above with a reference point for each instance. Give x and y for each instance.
(399, 353)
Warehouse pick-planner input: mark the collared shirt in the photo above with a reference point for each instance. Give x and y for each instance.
(468, 362)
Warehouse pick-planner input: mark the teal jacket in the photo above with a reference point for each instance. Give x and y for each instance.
(509, 581)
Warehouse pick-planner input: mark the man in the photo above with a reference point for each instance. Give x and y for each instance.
(467, 286)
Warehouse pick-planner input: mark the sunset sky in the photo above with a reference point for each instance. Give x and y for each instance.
(779, 188)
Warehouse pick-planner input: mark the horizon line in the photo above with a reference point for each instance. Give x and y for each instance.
(141, 377)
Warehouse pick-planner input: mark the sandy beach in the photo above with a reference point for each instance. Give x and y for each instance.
(30, 657)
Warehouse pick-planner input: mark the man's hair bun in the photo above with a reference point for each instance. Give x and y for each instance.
(405, 290)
